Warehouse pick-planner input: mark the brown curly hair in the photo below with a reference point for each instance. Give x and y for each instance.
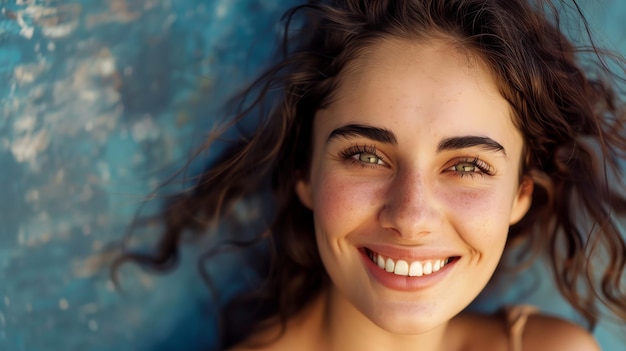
(571, 119)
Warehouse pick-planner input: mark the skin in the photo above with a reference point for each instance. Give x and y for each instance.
(414, 197)
(413, 200)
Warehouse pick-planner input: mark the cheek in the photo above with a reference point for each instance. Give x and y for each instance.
(481, 216)
(341, 203)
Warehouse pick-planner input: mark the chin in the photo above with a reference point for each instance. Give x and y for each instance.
(408, 318)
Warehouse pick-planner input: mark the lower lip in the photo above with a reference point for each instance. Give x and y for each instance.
(405, 283)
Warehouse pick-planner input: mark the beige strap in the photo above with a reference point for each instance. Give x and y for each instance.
(516, 317)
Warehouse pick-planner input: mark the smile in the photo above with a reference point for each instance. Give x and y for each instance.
(404, 268)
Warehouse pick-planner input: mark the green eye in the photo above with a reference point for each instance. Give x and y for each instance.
(471, 167)
(369, 158)
(465, 167)
(363, 155)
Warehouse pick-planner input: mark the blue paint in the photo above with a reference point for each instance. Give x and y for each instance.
(122, 99)
(9, 58)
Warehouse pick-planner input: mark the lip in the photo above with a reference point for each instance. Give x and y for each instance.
(407, 283)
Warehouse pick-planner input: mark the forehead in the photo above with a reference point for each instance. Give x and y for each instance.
(417, 85)
(433, 58)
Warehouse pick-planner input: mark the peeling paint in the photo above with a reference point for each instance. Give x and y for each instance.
(99, 96)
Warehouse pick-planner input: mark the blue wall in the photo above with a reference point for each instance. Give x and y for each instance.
(99, 101)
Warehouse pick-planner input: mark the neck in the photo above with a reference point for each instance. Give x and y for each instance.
(340, 326)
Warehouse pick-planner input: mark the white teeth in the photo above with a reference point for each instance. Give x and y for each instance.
(389, 265)
(416, 269)
(380, 261)
(402, 267)
(428, 267)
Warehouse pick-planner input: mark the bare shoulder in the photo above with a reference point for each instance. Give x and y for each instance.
(301, 332)
(540, 333)
(548, 333)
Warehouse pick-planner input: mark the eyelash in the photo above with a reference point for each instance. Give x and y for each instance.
(350, 153)
(482, 166)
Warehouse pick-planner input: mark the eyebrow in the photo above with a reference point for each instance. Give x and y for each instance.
(386, 136)
(463, 142)
(369, 132)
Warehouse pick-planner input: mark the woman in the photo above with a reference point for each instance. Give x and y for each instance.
(409, 143)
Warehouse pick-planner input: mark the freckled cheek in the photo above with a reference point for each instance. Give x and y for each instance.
(342, 203)
(480, 215)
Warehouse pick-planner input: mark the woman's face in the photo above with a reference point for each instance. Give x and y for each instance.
(413, 184)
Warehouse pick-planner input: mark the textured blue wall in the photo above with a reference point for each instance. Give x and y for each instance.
(99, 101)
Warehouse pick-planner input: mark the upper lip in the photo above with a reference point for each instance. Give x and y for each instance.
(416, 253)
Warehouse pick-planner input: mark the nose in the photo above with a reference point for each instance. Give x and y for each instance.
(410, 208)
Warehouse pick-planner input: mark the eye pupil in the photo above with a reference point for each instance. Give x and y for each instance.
(368, 158)
(465, 168)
